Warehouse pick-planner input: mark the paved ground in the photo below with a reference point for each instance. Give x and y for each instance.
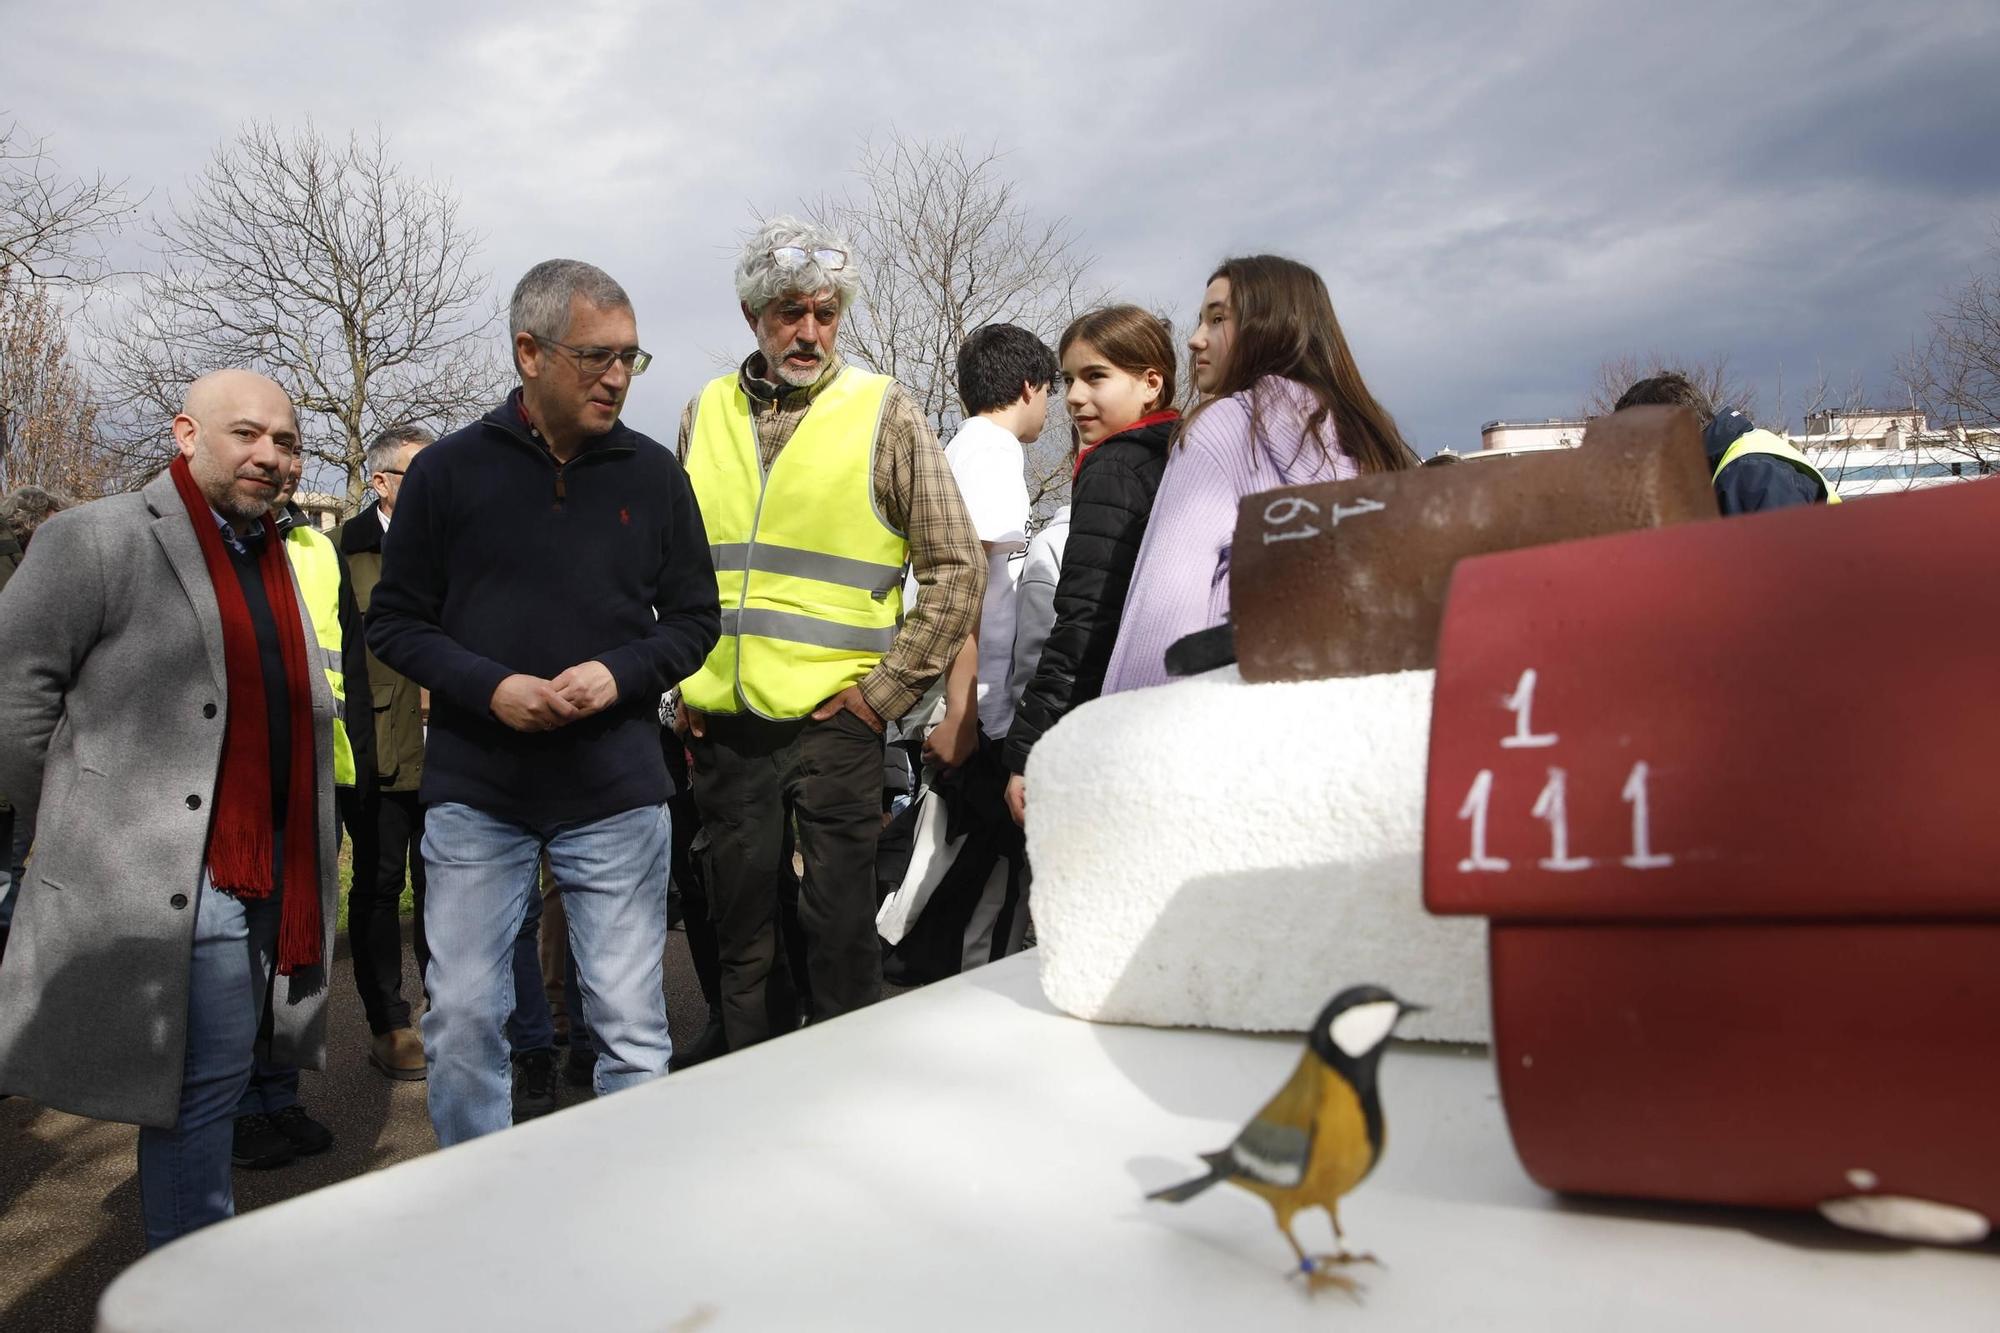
(69, 1202)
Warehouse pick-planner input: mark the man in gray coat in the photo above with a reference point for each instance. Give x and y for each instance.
(164, 723)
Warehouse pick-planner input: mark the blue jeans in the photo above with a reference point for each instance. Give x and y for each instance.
(271, 1089)
(483, 873)
(184, 1171)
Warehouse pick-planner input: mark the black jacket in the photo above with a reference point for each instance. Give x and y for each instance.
(1109, 507)
(395, 704)
(10, 554)
(1754, 482)
(501, 561)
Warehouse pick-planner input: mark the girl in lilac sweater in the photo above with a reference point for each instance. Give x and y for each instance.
(1284, 406)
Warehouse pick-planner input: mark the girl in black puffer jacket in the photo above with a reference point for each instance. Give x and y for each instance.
(1118, 364)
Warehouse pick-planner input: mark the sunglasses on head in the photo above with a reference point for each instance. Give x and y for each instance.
(795, 256)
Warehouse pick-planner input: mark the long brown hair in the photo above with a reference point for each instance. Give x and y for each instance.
(1132, 339)
(1285, 326)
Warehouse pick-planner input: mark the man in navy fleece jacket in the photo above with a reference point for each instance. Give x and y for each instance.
(546, 578)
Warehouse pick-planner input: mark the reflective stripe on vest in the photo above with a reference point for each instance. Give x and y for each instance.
(317, 569)
(1764, 442)
(809, 575)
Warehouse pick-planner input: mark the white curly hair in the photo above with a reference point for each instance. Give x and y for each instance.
(760, 279)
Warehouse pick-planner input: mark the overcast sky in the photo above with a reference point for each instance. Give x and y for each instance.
(1499, 196)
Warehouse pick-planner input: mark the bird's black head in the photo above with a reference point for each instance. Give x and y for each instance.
(1355, 1025)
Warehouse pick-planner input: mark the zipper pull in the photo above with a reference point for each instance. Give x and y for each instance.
(560, 490)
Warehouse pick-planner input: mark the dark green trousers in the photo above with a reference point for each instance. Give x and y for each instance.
(752, 777)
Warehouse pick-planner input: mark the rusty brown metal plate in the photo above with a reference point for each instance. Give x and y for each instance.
(1348, 578)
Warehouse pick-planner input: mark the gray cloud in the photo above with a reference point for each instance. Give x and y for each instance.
(1498, 196)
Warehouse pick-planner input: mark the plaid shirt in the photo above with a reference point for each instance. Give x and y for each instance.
(916, 494)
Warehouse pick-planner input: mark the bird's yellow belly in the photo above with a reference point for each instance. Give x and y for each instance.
(1341, 1154)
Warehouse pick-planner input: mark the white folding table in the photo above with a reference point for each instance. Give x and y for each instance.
(965, 1157)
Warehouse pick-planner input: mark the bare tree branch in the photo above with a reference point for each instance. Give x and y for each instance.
(1952, 373)
(324, 265)
(48, 420)
(948, 247)
(51, 223)
(1712, 376)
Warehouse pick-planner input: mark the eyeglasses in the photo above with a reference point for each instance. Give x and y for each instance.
(390, 471)
(795, 256)
(594, 361)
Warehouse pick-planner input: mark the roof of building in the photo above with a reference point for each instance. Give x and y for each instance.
(1543, 423)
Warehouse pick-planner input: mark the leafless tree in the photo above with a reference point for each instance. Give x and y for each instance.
(52, 223)
(1952, 373)
(52, 227)
(48, 420)
(1950, 376)
(1824, 393)
(947, 247)
(1879, 449)
(325, 265)
(1827, 397)
(1711, 375)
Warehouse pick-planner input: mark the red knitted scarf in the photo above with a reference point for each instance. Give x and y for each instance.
(241, 853)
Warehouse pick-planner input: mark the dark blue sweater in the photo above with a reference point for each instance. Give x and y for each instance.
(500, 561)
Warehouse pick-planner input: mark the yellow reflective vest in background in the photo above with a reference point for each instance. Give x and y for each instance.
(809, 575)
(1765, 442)
(316, 565)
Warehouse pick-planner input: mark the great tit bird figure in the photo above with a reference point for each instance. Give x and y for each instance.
(1322, 1133)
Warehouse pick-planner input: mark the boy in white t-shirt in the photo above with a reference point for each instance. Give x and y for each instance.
(1004, 376)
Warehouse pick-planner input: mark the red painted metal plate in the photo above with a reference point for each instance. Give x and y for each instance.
(1771, 1064)
(1786, 715)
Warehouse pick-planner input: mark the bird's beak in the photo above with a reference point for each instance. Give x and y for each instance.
(1409, 1008)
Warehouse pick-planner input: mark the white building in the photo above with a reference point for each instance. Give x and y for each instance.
(1516, 436)
(1871, 451)
(326, 511)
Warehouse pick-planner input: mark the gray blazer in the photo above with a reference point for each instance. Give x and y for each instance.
(113, 701)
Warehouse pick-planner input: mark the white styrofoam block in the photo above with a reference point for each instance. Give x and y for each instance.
(1213, 853)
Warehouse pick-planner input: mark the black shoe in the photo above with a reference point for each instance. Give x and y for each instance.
(712, 1042)
(259, 1144)
(579, 1065)
(534, 1084)
(306, 1134)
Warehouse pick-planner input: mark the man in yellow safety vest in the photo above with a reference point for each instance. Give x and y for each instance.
(1752, 470)
(819, 483)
